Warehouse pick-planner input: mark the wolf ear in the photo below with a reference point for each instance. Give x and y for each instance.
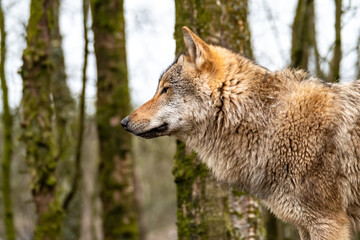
(197, 49)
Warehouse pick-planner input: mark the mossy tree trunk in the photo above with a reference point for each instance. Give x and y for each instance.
(64, 111)
(38, 135)
(234, 30)
(8, 145)
(207, 210)
(201, 202)
(120, 215)
(64, 104)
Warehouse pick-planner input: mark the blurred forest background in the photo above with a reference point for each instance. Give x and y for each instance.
(71, 70)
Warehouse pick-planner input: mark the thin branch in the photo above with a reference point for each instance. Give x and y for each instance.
(8, 146)
(78, 154)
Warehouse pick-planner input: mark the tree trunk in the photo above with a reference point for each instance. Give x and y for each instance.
(199, 196)
(303, 43)
(8, 146)
(334, 73)
(64, 105)
(271, 227)
(63, 102)
(38, 136)
(120, 215)
(234, 29)
(201, 202)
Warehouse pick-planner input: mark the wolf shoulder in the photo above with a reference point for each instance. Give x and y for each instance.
(311, 115)
(313, 101)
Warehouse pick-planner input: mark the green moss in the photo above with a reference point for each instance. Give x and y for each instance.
(38, 135)
(235, 27)
(227, 218)
(184, 168)
(200, 201)
(49, 223)
(186, 172)
(7, 120)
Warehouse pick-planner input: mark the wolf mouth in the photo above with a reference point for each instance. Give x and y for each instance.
(155, 132)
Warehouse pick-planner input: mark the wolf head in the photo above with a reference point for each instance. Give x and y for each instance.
(183, 98)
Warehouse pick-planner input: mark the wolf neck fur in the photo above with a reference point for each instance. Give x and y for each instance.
(234, 150)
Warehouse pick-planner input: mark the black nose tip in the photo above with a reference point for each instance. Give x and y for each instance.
(125, 122)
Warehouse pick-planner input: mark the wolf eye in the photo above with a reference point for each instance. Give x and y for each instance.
(164, 90)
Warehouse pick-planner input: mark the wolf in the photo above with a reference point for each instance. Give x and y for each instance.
(289, 139)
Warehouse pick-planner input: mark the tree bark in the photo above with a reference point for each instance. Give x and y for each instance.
(199, 197)
(120, 214)
(334, 73)
(38, 135)
(201, 202)
(303, 42)
(64, 104)
(64, 109)
(234, 29)
(8, 145)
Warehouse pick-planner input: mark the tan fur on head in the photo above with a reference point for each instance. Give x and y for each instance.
(285, 137)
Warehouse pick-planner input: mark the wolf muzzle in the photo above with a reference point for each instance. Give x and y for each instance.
(125, 122)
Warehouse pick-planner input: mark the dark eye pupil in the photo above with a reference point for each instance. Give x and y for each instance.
(164, 90)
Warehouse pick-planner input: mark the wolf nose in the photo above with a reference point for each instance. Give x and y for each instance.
(125, 122)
